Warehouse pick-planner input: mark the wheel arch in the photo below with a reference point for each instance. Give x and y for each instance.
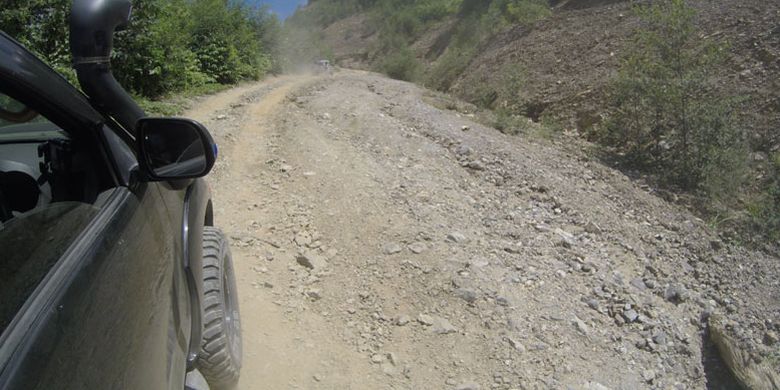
(198, 212)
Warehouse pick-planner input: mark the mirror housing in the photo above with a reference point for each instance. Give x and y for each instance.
(171, 149)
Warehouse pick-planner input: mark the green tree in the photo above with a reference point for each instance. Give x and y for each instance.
(170, 45)
(41, 26)
(152, 56)
(667, 116)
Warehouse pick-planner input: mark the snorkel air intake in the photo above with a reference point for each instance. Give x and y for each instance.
(92, 26)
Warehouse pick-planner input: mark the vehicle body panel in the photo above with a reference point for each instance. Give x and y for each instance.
(105, 318)
(116, 311)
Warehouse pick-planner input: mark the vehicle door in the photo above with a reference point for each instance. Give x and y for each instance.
(99, 304)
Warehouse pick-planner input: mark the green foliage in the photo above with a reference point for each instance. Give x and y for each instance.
(506, 122)
(449, 66)
(765, 209)
(511, 80)
(667, 117)
(526, 11)
(170, 45)
(324, 12)
(466, 36)
(151, 56)
(227, 41)
(478, 21)
(401, 65)
(41, 26)
(402, 21)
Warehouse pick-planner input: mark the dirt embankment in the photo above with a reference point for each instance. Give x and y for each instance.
(383, 243)
(568, 59)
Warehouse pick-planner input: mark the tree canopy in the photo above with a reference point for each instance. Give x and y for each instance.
(170, 45)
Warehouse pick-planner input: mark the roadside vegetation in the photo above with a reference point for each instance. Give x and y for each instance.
(171, 46)
(666, 116)
(668, 119)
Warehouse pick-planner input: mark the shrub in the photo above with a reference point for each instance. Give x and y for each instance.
(765, 209)
(527, 11)
(511, 80)
(449, 66)
(401, 65)
(666, 115)
(170, 45)
(506, 122)
(41, 26)
(152, 56)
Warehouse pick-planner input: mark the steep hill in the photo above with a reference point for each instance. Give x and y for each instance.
(556, 68)
(568, 58)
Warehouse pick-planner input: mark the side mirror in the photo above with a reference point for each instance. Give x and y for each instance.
(174, 149)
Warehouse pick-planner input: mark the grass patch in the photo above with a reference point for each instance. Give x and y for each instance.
(173, 104)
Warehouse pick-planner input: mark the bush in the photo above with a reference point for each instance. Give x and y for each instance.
(41, 26)
(507, 123)
(765, 209)
(666, 115)
(527, 11)
(401, 65)
(170, 45)
(511, 80)
(152, 56)
(466, 36)
(449, 66)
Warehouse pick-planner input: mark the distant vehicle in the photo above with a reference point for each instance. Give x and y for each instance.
(324, 66)
(112, 273)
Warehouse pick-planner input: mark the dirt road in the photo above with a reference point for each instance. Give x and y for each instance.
(383, 243)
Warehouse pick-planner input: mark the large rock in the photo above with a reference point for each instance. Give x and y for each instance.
(311, 260)
(466, 294)
(391, 248)
(456, 237)
(443, 326)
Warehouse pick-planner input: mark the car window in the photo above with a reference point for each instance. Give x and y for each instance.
(50, 189)
(20, 122)
(14, 112)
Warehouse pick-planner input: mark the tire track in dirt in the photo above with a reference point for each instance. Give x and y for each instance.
(455, 256)
(284, 347)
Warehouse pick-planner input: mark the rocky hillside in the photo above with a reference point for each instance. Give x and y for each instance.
(558, 68)
(568, 58)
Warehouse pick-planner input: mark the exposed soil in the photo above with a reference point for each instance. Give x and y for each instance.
(568, 59)
(383, 243)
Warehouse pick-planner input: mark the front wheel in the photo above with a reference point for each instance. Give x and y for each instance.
(219, 359)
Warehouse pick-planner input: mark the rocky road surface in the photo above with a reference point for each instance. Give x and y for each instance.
(383, 243)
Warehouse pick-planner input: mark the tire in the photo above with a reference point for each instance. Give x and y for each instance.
(219, 359)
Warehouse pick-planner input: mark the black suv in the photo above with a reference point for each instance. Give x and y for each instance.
(112, 274)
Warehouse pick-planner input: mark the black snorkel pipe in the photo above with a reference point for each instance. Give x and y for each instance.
(92, 26)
